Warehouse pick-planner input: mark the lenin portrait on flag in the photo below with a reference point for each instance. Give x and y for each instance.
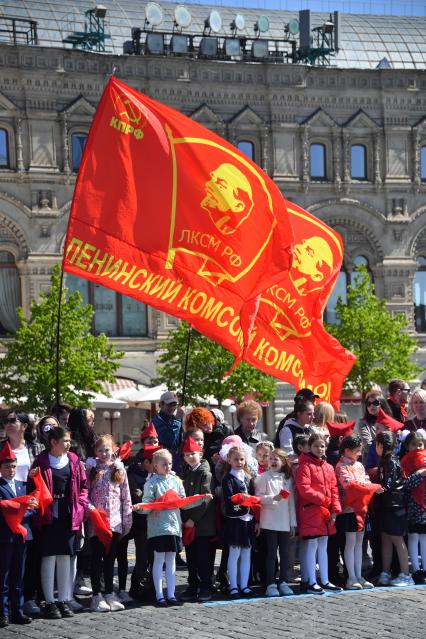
(222, 215)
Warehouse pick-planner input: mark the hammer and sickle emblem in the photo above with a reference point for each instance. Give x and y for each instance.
(126, 109)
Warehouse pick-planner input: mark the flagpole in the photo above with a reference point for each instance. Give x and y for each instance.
(185, 370)
(58, 333)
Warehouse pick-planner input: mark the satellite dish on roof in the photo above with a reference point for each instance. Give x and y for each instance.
(293, 26)
(214, 21)
(262, 24)
(182, 17)
(238, 23)
(153, 14)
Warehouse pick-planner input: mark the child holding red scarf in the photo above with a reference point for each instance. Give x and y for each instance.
(414, 470)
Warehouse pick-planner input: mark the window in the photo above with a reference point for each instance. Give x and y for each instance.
(115, 315)
(358, 261)
(4, 149)
(317, 162)
(358, 162)
(78, 141)
(10, 293)
(247, 148)
(419, 295)
(423, 163)
(339, 290)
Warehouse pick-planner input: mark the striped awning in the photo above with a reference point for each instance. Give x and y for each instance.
(119, 384)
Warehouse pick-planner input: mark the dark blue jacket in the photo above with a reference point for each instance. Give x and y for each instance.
(169, 430)
(6, 537)
(231, 486)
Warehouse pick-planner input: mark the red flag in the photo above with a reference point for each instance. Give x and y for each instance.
(125, 450)
(410, 463)
(358, 496)
(243, 499)
(101, 527)
(289, 340)
(173, 215)
(13, 511)
(188, 535)
(169, 501)
(41, 492)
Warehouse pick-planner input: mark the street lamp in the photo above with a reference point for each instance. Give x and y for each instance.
(111, 416)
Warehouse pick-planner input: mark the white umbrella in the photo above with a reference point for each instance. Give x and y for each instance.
(153, 394)
(133, 395)
(102, 401)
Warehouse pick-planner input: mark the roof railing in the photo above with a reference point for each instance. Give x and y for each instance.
(18, 30)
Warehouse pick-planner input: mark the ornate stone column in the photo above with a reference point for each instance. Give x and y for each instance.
(305, 154)
(265, 138)
(416, 158)
(336, 158)
(19, 154)
(65, 146)
(376, 171)
(346, 160)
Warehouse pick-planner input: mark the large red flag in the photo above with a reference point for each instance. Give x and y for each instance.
(289, 340)
(170, 213)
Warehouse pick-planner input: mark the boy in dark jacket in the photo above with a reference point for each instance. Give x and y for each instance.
(12, 546)
(199, 550)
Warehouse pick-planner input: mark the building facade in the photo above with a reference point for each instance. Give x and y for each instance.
(348, 143)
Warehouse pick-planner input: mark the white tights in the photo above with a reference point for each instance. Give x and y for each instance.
(63, 570)
(239, 557)
(157, 573)
(414, 539)
(317, 548)
(353, 555)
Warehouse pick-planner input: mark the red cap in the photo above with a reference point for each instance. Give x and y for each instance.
(149, 432)
(341, 429)
(148, 451)
(7, 453)
(392, 424)
(191, 446)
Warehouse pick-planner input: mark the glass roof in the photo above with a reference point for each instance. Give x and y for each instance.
(364, 39)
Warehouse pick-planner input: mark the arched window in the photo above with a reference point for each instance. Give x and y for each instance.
(423, 163)
(339, 290)
(116, 315)
(318, 169)
(10, 293)
(246, 147)
(358, 261)
(4, 149)
(419, 295)
(78, 141)
(358, 162)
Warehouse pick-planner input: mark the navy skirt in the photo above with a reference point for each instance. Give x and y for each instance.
(237, 532)
(166, 543)
(393, 522)
(57, 538)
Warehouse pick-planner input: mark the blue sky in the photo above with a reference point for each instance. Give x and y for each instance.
(385, 7)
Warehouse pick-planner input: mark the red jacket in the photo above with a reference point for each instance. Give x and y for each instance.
(317, 492)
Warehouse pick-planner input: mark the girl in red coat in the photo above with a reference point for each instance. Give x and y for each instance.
(318, 506)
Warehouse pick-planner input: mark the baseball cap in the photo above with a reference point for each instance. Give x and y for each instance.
(169, 397)
(305, 393)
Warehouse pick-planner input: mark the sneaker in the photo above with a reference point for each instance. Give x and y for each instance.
(402, 580)
(64, 609)
(329, 587)
(366, 585)
(113, 603)
(81, 587)
(204, 595)
(353, 585)
(272, 591)
(51, 611)
(99, 604)
(74, 605)
(124, 597)
(284, 589)
(384, 579)
(190, 594)
(314, 589)
(31, 608)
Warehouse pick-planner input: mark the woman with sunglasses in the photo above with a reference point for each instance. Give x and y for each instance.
(25, 449)
(366, 427)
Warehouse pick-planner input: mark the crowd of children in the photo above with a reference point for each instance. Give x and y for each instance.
(260, 504)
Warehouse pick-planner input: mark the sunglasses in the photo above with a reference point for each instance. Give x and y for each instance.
(11, 420)
(373, 402)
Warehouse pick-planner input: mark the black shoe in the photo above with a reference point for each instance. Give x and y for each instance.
(161, 603)
(64, 609)
(4, 622)
(303, 587)
(190, 594)
(247, 592)
(172, 601)
(418, 577)
(51, 611)
(314, 589)
(204, 595)
(180, 563)
(331, 587)
(20, 619)
(234, 593)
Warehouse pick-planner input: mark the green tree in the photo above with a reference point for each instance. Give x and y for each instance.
(380, 341)
(207, 363)
(28, 370)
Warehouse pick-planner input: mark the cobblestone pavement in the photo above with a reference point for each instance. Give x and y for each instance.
(398, 613)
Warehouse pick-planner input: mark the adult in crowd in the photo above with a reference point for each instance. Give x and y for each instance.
(26, 450)
(61, 522)
(300, 424)
(303, 393)
(62, 412)
(205, 420)
(248, 415)
(417, 407)
(366, 426)
(399, 394)
(83, 437)
(323, 413)
(168, 424)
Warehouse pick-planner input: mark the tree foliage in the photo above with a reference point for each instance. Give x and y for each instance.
(207, 363)
(28, 370)
(380, 341)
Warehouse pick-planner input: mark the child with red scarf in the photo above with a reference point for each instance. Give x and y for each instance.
(414, 470)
